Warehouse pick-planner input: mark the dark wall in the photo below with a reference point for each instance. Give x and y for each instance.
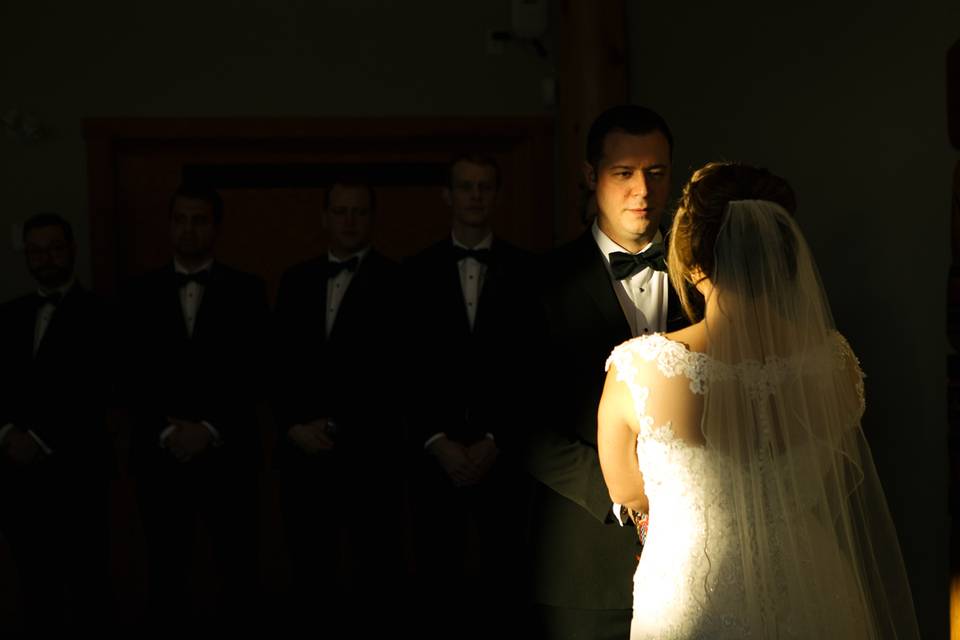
(846, 100)
(64, 62)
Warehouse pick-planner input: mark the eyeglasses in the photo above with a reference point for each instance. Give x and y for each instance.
(468, 187)
(55, 250)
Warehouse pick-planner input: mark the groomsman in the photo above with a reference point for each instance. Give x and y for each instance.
(336, 404)
(469, 295)
(194, 370)
(55, 456)
(598, 291)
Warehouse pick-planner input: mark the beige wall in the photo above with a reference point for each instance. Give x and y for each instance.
(66, 61)
(847, 100)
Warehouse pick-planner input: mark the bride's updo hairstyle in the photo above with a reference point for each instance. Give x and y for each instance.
(700, 216)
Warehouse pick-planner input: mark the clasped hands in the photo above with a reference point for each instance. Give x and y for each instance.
(188, 439)
(21, 448)
(465, 465)
(311, 437)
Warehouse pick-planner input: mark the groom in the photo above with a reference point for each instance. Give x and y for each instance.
(605, 287)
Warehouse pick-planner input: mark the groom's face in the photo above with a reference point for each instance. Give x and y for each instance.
(632, 185)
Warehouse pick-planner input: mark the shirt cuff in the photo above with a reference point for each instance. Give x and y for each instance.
(43, 445)
(7, 428)
(617, 509)
(217, 440)
(433, 438)
(166, 433)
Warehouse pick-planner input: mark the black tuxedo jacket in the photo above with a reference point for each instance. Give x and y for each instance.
(465, 381)
(61, 393)
(582, 560)
(351, 376)
(215, 376)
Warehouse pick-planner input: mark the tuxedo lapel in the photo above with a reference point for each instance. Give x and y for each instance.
(592, 278)
(676, 319)
(210, 304)
(57, 321)
(454, 289)
(318, 298)
(26, 327)
(173, 308)
(492, 283)
(362, 279)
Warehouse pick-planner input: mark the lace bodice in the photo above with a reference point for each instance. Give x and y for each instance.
(689, 582)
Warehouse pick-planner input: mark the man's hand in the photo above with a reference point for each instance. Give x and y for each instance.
(21, 448)
(482, 454)
(455, 461)
(311, 437)
(188, 439)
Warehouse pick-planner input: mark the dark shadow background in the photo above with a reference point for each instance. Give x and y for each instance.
(847, 100)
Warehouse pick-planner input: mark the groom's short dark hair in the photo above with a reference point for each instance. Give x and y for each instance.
(630, 118)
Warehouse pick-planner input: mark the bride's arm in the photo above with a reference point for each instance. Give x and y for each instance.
(617, 444)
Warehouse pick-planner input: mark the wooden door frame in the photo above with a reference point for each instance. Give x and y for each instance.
(107, 138)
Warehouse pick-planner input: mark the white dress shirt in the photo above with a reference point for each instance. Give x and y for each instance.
(191, 295)
(45, 313)
(644, 295)
(337, 286)
(472, 273)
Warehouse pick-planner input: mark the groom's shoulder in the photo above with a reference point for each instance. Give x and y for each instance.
(574, 254)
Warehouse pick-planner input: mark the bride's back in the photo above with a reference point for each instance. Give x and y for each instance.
(692, 580)
(767, 518)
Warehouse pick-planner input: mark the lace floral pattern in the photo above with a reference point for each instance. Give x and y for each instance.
(760, 379)
(683, 588)
(849, 358)
(689, 582)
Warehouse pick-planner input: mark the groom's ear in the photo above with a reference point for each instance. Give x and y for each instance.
(590, 176)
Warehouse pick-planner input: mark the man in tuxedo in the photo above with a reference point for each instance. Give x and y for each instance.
(470, 294)
(336, 407)
(194, 374)
(55, 455)
(598, 291)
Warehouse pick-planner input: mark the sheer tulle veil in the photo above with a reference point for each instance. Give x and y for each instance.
(817, 544)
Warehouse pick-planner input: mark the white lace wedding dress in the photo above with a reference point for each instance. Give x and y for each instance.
(698, 575)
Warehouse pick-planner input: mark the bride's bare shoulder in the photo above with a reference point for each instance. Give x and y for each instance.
(694, 337)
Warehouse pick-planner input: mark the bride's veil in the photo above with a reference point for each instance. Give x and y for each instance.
(817, 544)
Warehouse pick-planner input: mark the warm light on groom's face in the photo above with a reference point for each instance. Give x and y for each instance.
(632, 184)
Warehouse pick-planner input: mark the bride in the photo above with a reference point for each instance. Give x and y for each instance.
(740, 436)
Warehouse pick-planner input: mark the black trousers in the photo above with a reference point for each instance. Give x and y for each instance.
(344, 530)
(173, 503)
(556, 623)
(469, 558)
(56, 521)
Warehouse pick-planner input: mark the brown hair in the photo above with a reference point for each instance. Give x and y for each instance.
(473, 158)
(701, 213)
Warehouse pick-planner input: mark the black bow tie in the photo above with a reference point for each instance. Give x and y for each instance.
(625, 264)
(480, 255)
(200, 277)
(51, 297)
(335, 268)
